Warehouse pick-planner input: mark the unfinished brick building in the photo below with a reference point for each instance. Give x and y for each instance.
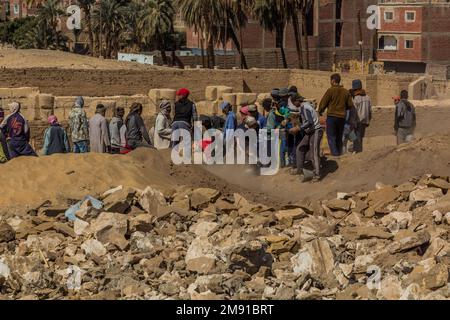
(414, 34)
(333, 34)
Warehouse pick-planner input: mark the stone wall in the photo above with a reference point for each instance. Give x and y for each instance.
(61, 82)
(113, 83)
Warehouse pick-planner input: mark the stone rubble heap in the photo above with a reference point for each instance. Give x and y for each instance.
(390, 243)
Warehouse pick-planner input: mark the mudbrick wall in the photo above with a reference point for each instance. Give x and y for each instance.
(97, 83)
(65, 84)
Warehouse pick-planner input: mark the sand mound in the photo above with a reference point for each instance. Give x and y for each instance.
(28, 182)
(33, 58)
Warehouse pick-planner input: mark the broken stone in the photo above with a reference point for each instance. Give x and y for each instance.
(143, 222)
(365, 232)
(293, 214)
(94, 247)
(390, 288)
(51, 211)
(7, 233)
(436, 278)
(425, 194)
(203, 228)
(437, 216)
(406, 187)
(64, 229)
(201, 265)
(152, 201)
(80, 227)
(119, 201)
(201, 197)
(316, 259)
(412, 292)
(439, 183)
(338, 204)
(409, 242)
(382, 197)
(447, 218)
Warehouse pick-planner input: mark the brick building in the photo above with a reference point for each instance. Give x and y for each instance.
(414, 34)
(333, 34)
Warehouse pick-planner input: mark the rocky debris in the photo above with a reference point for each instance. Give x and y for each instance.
(426, 194)
(391, 243)
(7, 233)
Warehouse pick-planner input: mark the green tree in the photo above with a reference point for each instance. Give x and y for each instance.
(156, 22)
(204, 17)
(273, 16)
(86, 6)
(236, 17)
(48, 18)
(109, 21)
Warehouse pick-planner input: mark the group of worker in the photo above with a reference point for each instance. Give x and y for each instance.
(298, 122)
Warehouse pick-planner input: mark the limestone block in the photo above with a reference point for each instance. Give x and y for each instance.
(207, 107)
(5, 93)
(245, 98)
(45, 101)
(24, 92)
(213, 93)
(229, 97)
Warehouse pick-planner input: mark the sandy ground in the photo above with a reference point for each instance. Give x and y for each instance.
(28, 182)
(11, 58)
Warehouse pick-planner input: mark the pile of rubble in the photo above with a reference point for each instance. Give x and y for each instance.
(390, 243)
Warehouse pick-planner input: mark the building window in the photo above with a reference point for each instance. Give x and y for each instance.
(387, 43)
(409, 44)
(410, 16)
(16, 8)
(388, 16)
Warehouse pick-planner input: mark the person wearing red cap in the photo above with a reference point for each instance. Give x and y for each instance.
(185, 114)
(55, 138)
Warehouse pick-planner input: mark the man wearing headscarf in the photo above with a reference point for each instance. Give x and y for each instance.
(137, 134)
(114, 130)
(99, 133)
(15, 128)
(163, 130)
(55, 138)
(244, 113)
(4, 155)
(79, 127)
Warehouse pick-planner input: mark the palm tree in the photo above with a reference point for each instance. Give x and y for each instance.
(133, 34)
(204, 17)
(273, 16)
(48, 16)
(306, 6)
(236, 18)
(86, 6)
(156, 22)
(109, 19)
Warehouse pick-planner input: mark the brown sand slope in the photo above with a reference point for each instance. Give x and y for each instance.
(27, 182)
(33, 58)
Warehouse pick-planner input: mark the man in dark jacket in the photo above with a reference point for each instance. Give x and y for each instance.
(405, 119)
(55, 138)
(137, 134)
(185, 115)
(337, 100)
